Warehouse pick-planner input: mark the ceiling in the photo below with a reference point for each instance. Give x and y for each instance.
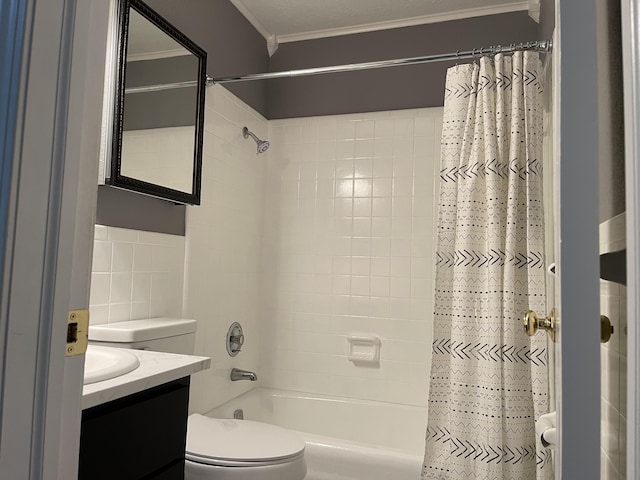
(146, 41)
(293, 20)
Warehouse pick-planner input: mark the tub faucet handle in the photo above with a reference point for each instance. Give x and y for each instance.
(238, 340)
(235, 339)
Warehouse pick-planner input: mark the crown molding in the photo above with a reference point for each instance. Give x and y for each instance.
(372, 27)
(242, 8)
(534, 10)
(407, 22)
(136, 57)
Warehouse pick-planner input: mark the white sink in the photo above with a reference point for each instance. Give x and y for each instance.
(103, 363)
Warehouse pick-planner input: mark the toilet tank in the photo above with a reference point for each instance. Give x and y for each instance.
(172, 335)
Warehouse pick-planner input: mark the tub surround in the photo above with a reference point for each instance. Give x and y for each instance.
(156, 368)
(349, 243)
(224, 247)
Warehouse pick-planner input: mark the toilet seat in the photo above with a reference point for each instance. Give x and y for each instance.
(240, 443)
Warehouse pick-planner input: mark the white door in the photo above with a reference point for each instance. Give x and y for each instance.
(576, 247)
(51, 86)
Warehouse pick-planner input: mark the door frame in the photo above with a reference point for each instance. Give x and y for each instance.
(578, 398)
(631, 67)
(49, 166)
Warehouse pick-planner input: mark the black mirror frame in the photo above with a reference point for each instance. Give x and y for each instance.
(129, 183)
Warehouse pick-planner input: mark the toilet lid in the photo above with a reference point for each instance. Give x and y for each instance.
(239, 441)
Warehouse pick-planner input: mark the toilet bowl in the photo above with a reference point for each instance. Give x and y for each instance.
(216, 449)
(220, 449)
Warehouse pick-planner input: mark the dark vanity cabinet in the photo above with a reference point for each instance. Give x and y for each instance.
(141, 436)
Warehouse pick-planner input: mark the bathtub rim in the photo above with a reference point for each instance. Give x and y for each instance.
(327, 440)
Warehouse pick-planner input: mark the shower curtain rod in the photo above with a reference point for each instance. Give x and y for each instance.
(538, 46)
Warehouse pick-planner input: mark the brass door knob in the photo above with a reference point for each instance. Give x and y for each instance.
(606, 329)
(532, 323)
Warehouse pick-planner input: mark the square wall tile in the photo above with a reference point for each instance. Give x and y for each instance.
(100, 288)
(101, 256)
(374, 236)
(122, 274)
(122, 260)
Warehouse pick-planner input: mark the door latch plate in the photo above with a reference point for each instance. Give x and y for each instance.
(77, 332)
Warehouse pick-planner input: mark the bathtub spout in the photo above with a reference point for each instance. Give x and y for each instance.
(237, 374)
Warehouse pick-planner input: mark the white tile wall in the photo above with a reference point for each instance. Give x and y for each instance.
(349, 247)
(613, 303)
(224, 247)
(135, 274)
(329, 233)
(163, 156)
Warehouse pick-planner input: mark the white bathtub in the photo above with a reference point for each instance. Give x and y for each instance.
(346, 439)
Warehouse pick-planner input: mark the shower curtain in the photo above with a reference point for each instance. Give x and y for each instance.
(489, 381)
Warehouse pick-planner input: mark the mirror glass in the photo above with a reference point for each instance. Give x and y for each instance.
(158, 133)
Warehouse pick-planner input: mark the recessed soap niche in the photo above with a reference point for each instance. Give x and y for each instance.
(364, 350)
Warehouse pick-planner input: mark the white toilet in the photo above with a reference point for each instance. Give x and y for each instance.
(217, 449)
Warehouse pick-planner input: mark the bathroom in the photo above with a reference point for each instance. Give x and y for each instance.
(329, 233)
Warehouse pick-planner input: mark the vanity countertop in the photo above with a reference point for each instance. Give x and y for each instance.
(155, 369)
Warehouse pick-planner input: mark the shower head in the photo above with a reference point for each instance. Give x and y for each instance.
(263, 145)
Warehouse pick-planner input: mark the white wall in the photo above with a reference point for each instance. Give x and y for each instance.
(135, 274)
(224, 247)
(613, 357)
(163, 156)
(349, 248)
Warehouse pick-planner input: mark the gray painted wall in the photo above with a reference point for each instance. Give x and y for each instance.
(547, 19)
(166, 108)
(125, 209)
(232, 44)
(611, 111)
(390, 88)
(610, 103)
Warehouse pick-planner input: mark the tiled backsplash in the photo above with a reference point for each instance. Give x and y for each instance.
(135, 274)
(613, 304)
(349, 247)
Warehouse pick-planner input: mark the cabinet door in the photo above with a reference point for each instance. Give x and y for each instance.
(175, 472)
(139, 436)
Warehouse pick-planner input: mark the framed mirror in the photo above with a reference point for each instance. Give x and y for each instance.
(158, 112)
